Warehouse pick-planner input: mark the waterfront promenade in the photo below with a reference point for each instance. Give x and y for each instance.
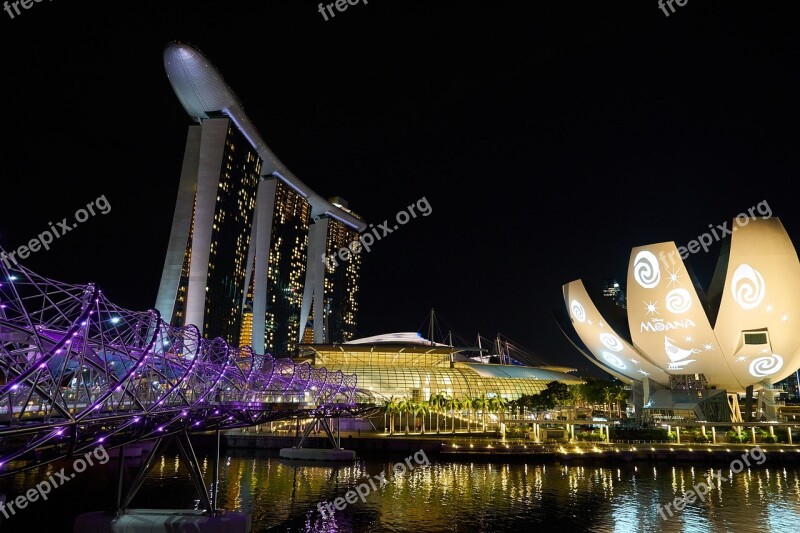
(483, 447)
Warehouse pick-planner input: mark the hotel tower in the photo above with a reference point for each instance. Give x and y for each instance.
(245, 254)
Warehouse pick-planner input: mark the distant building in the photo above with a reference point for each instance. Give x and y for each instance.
(790, 386)
(405, 365)
(614, 292)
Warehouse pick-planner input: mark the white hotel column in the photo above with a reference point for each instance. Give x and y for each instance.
(212, 148)
(265, 208)
(315, 280)
(320, 245)
(181, 225)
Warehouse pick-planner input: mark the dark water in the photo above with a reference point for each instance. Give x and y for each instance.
(443, 496)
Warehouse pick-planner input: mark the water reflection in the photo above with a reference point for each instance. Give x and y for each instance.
(280, 495)
(507, 497)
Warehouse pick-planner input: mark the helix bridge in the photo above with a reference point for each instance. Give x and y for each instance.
(77, 371)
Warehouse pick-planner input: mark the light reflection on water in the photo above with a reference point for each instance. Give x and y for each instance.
(455, 497)
(507, 497)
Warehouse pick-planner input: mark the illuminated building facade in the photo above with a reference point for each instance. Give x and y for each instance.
(736, 337)
(330, 302)
(331, 315)
(212, 226)
(238, 254)
(286, 272)
(408, 366)
(342, 283)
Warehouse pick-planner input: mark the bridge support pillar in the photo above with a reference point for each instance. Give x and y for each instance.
(120, 474)
(186, 452)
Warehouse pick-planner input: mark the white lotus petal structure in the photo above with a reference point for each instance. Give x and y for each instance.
(742, 332)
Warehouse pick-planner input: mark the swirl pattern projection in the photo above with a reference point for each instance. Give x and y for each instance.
(76, 370)
(741, 333)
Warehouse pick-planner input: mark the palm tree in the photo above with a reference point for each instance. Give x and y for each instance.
(442, 402)
(412, 415)
(499, 404)
(421, 408)
(620, 395)
(482, 403)
(437, 402)
(470, 404)
(608, 397)
(445, 404)
(466, 403)
(401, 409)
(451, 404)
(391, 410)
(410, 407)
(490, 407)
(405, 406)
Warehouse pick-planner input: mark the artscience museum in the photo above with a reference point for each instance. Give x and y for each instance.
(690, 352)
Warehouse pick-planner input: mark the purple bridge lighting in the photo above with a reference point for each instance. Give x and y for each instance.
(77, 371)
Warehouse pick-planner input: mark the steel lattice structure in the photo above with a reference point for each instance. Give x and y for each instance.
(76, 370)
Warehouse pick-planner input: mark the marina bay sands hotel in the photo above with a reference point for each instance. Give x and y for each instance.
(244, 260)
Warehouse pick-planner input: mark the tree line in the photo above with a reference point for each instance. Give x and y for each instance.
(593, 393)
(441, 404)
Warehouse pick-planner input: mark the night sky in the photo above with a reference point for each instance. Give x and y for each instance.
(548, 138)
